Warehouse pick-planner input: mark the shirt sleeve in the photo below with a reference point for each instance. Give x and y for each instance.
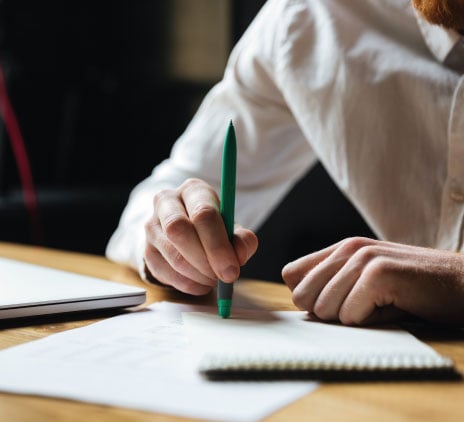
(272, 151)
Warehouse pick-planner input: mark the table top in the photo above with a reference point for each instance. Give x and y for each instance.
(347, 401)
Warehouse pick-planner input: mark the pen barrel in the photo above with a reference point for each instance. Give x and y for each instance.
(228, 179)
(225, 290)
(227, 210)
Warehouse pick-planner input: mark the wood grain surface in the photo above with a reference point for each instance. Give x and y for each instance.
(348, 401)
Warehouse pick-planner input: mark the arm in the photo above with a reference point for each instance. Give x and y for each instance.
(360, 281)
(172, 217)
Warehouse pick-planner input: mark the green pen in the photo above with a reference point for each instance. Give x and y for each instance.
(227, 208)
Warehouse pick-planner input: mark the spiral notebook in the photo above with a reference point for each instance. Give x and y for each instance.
(285, 344)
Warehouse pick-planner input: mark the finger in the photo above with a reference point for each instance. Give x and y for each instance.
(395, 280)
(365, 285)
(162, 271)
(308, 290)
(178, 228)
(327, 304)
(160, 242)
(203, 210)
(371, 292)
(294, 272)
(333, 294)
(305, 294)
(245, 243)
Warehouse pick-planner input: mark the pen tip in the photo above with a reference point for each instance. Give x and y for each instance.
(224, 306)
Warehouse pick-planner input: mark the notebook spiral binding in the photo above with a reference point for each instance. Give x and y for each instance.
(323, 362)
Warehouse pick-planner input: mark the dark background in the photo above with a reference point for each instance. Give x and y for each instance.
(98, 109)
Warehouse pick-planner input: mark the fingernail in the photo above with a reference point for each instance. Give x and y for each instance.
(230, 273)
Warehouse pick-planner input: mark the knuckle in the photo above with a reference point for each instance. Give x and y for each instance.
(161, 196)
(176, 226)
(157, 270)
(200, 187)
(203, 214)
(377, 280)
(353, 244)
(177, 261)
(367, 254)
(377, 268)
(191, 182)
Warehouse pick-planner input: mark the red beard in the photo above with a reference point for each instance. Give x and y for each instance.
(447, 13)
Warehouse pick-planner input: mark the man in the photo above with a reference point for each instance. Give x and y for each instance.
(375, 91)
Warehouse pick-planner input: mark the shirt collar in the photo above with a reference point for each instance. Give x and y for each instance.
(445, 44)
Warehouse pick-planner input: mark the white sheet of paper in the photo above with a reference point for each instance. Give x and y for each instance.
(141, 361)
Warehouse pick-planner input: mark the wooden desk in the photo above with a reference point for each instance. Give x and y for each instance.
(424, 401)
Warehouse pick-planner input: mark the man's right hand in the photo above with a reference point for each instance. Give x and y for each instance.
(186, 241)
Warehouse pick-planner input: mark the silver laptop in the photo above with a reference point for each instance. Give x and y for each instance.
(29, 290)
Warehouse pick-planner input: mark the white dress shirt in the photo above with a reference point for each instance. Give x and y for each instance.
(365, 86)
